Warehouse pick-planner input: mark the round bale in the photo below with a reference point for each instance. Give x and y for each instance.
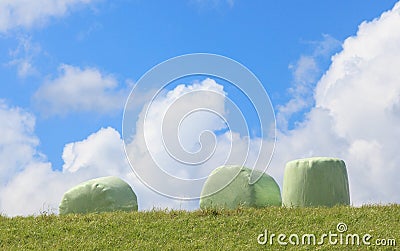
(106, 194)
(237, 191)
(317, 181)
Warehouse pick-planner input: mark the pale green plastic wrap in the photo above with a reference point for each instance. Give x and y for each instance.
(318, 181)
(106, 194)
(265, 192)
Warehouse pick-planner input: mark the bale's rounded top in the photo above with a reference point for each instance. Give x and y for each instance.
(314, 161)
(229, 187)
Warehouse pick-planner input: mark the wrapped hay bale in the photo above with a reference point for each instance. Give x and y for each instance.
(104, 194)
(318, 181)
(265, 192)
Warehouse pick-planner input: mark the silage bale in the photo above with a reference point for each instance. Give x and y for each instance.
(265, 192)
(318, 181)
(106, 194)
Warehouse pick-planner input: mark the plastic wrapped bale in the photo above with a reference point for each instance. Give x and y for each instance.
(106, 194)
(318, 181)
(238, 192)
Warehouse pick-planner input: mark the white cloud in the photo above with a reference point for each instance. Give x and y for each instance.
(28, 184)
(305, 72)
(27, 13)
(80, 90)
(89, 153)
(17, 143)
(24, 172)
(22, 56)
(355, 115)
(168, 133)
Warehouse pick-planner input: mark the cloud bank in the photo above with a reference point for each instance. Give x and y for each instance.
(102, 154)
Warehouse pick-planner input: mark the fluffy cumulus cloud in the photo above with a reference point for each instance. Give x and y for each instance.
(356, 113)
(17, 143)
(26, 13)
(80, 90)
(28, 183)
(176, 135)
(19, 161)
(102, 149)
(165, 122)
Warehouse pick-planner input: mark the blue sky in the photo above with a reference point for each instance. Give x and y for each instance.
(127, 38)
(288, 45)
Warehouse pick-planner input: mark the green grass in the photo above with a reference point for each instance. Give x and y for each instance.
(205, 230)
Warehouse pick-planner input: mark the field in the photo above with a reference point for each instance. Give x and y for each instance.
(208, 230)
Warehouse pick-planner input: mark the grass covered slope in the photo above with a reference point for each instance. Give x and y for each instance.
(208, 230)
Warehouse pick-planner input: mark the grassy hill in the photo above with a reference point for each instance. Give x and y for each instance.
(206, 230)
